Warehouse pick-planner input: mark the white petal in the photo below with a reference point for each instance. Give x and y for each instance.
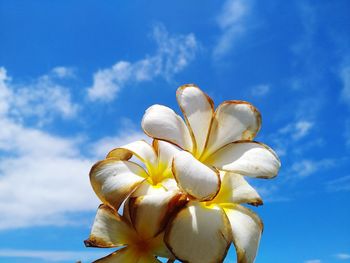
(150, 213)
(113, 180)
(160, 122)
(246, 158)
(233, 121)
(159, 248)
(246, 232)
(198, 110)
(199, 234)
(166, 152)
(235, 189)
(170, 184)
(109, 229)
(195, 178)
(140, 149)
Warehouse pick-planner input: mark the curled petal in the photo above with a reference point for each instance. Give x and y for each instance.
(198, 110)
(109, 229)
(160, 122)
(195, 178)
(140, 149)
(235, 189)
(166, 152)
(199, 234)
(113, 180)
(246, 231)
(233, 121)
(246, 158)
(150, 213)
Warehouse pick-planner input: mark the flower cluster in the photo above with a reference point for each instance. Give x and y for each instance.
(181, 197)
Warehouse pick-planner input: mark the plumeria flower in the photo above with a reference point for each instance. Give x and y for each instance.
(117, 177)
(153, 197)
(137, 244)
(217, 152)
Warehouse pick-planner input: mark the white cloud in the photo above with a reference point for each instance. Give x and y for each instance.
(173, 54)
(63, 72)
(43, 177)
(347, 132)
(304, 168)
(339, 184)
(313, 261)
(232, 22)
(260, 90)
(42, 98)
(342, 256)
(54, 255)
(345, 76)
(297, 130)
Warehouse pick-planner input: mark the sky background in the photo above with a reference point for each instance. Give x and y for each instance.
(77, 76)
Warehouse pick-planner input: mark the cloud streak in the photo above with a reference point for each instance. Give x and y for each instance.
(173, 54)
(232, 23)
(50, 255)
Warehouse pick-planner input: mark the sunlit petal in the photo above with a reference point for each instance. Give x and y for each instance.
(140, 149)
(235, 189)
(234, 120)
(246, 158)
(113, 180)
(199, 234)
(198, 110)
(195, 178)
(163, 123)
(166, 152)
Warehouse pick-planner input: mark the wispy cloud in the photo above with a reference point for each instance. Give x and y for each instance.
(42, 98)
(44, 177)
(173, 54)
(342, 256)
(305, 167)
(345, 77)
(313, 261)
(232, 23)
(53, 255)
(339, 184)
(260, 90)
(287, 136)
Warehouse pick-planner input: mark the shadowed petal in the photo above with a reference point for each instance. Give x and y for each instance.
(246, 231)
(109, 229)
(150, 213)
(127, 255)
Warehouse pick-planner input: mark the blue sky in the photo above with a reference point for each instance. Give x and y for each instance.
(77, 76)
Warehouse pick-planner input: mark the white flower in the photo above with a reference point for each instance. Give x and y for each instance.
(112, 230)
(217, 152)
(150, 197)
